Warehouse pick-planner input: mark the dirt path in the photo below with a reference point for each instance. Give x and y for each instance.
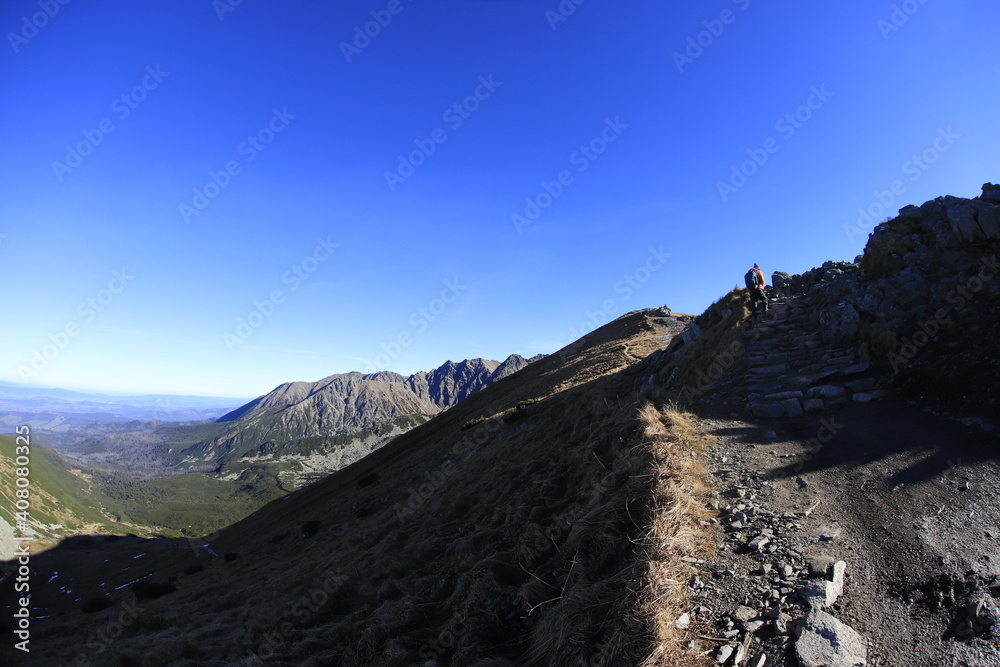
(908, 500)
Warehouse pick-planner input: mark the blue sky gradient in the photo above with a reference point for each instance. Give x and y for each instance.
(213, 198)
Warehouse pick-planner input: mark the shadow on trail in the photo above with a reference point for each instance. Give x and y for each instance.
(863, 434)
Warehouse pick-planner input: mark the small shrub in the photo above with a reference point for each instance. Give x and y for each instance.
(230, 557)
(310, 528)
(473, 422)
(150, 590)
(96, 603)
(516, 412)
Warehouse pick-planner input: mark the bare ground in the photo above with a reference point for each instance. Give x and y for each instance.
(908, 499)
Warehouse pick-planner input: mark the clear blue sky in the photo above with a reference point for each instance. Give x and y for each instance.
(116, 112)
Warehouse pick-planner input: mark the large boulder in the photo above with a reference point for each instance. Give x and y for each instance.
(988, 217)
(782, 282)
(991, 193)
(840, 322)
(823, 641)
(963, 222)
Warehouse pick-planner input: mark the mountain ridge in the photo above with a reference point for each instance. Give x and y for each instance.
(350, 403)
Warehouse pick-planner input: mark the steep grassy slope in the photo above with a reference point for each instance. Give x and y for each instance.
(62, 501)
(528, 539)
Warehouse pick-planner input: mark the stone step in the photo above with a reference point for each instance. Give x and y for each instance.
(768, 370)
(842, 360)
(783, 395)
(769, 359)
(814, 368)
(789, 407)
(806, 379)
(766, 343)
(765, 389)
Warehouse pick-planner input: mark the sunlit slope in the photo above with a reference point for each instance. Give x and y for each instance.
(62, 501)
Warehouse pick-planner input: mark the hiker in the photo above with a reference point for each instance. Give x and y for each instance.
(755, 283)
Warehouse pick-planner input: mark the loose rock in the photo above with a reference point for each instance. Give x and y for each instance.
(819, 565)
(823, 641)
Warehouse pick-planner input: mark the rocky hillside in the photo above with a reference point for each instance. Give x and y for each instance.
(63, 500)
(346, 406)
(917, 313)
(857, 458)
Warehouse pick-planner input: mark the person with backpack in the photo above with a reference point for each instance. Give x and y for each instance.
(755, 284)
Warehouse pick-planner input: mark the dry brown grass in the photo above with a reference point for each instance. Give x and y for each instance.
(677, 448)
(552, 540)
(714, 352)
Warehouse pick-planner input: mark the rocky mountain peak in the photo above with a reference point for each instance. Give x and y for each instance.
(351, 403)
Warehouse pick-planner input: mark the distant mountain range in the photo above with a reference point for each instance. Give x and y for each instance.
(305, 417)
(60, 410)
(283, 440)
